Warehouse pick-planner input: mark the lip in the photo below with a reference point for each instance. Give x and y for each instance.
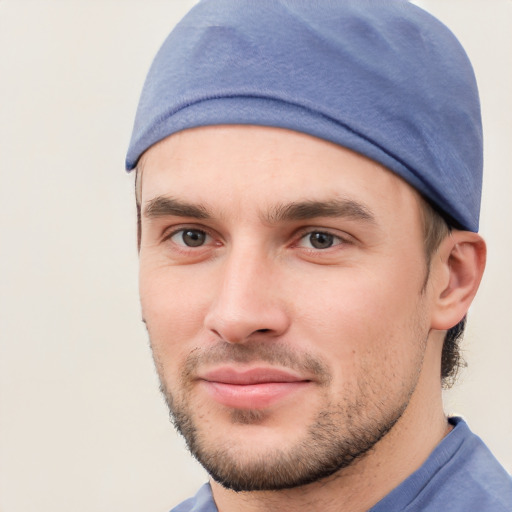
(254, 388)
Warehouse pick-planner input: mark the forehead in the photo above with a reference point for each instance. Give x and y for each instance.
(256, 167)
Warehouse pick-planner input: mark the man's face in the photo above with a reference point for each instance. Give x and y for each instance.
(282, 284)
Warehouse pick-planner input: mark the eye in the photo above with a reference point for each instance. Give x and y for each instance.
(190, 237)
(320, 240)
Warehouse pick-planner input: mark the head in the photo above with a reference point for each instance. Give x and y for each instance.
(302, 290)
(311, 287)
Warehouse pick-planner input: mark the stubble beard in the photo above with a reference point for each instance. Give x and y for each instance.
(340, 434)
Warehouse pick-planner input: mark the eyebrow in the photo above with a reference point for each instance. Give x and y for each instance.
(162, 206)
(305, 210)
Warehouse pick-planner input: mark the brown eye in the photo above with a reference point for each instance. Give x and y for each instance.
(320, 240)
(190, 237)
(193, 237)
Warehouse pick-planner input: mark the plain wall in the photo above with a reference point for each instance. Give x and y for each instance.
(82, 424)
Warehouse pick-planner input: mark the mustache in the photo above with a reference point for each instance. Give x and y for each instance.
(274, 354)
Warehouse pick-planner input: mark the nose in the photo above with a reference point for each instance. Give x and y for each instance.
(249, 301)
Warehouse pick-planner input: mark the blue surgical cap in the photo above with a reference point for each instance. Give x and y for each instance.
(381, 77)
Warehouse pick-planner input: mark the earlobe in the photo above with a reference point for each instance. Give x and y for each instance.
(458, 269)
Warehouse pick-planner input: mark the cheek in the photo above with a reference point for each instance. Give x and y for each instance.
(174, 303)
(360, 321)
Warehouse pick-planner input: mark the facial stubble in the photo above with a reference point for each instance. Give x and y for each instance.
(341, 433)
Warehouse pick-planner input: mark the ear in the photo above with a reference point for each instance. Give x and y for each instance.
(457, 270)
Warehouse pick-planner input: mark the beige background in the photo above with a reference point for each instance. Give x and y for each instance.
(82, 425)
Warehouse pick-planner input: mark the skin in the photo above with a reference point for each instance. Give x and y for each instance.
(354, 322)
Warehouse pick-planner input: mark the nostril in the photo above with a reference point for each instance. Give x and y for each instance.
(263, 330)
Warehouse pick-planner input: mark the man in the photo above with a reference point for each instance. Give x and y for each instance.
(308, 186)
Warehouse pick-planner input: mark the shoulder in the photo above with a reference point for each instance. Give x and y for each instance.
(477, 478)
(471, 479)
(461, 475)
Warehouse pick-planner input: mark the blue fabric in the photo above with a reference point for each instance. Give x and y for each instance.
(383, 78)
(461, 475)
(201, 502)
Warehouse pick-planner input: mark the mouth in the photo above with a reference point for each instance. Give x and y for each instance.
(255, 388)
